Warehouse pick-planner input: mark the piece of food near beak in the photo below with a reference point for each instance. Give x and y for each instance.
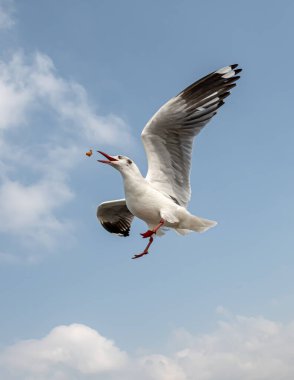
(89, 153)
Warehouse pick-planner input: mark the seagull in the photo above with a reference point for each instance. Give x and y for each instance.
(161, 198)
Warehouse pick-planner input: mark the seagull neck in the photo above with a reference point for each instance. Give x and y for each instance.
(132, 179)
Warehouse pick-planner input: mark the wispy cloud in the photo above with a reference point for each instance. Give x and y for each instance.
(34, 179)
(30, 84)
(8, 258)
(246, 348)
(6, 14)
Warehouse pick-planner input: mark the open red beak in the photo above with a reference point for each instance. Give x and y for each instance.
(110, 158)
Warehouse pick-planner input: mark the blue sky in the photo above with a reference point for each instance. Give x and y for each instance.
(79, 74)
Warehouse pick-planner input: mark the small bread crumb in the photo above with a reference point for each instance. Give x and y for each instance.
(89, 153)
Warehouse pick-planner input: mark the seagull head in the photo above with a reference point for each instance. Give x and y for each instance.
(122, 163)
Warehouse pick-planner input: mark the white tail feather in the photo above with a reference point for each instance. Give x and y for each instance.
(200, 224)
(182, 231)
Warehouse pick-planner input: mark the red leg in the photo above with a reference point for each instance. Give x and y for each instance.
(145, 252)
(149, 233)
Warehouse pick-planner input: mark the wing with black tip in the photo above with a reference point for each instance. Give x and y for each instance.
(115, 217)
(168, 136)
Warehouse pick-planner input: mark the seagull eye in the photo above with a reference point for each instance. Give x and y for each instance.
(119, 157)
(130, 162)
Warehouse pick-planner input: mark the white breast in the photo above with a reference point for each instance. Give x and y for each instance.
(145, 202)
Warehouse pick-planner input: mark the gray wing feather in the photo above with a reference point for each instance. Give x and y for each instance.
(115, 217)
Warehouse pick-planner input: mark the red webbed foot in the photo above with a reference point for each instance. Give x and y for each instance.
(145, 252)
(147, 234)
(140, 255)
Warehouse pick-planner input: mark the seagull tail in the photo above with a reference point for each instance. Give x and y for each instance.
(182, 231)
(198, 224)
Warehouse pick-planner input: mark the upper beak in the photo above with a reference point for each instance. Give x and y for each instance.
(110, 158)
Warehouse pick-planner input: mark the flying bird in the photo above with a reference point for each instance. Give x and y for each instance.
(162, 197)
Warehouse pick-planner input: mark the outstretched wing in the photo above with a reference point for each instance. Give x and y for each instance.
(115, 217)
(168, 136)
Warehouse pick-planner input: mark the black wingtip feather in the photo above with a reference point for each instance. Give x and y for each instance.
(225, 95)
(231, 80)
(114, 229)
(231, 86)
(207, 92)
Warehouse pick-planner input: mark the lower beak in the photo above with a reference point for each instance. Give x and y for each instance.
(110, 158)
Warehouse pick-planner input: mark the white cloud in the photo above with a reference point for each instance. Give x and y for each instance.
(29, 209)
(34, 176)
(243, 348)
(29, 84)
(75, 349)
(46, 123)
(160, 367)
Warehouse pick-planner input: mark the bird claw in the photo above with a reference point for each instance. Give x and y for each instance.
(147, 234)
(140, 255)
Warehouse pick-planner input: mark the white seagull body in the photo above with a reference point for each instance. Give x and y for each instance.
(162, 197)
